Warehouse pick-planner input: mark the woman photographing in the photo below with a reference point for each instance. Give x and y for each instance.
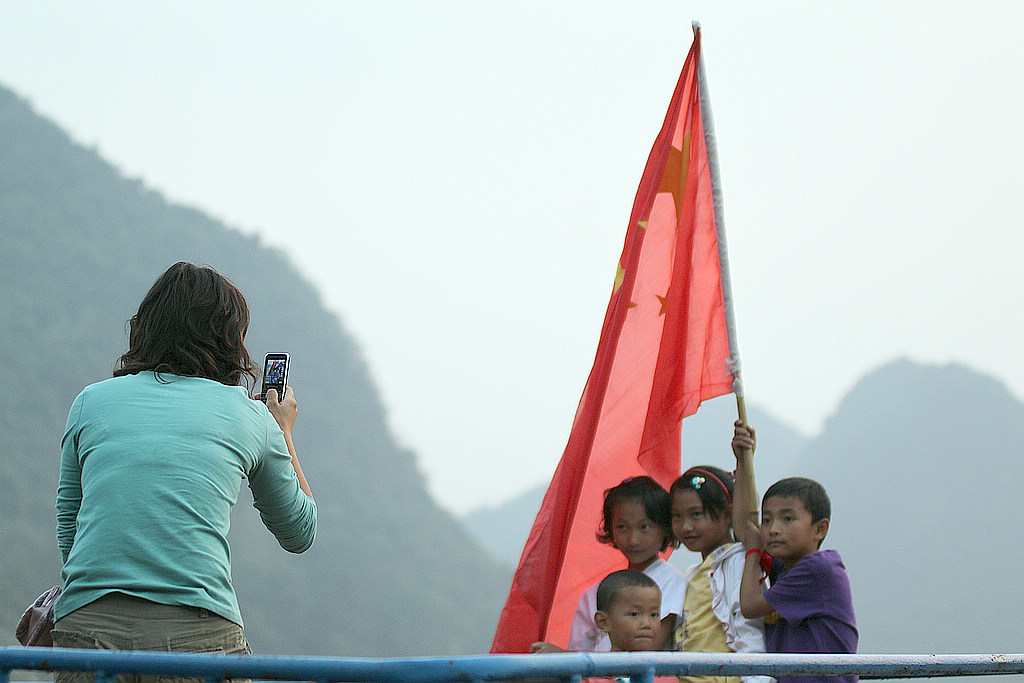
(152, 462)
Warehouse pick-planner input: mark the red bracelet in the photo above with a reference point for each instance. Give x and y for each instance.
(765, 562)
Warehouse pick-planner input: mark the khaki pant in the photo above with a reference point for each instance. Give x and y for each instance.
(121, 622)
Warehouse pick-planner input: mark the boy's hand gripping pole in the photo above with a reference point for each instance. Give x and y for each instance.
(746, 507)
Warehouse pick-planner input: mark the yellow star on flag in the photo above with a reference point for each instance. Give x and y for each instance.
(676, 167)
(663, 300)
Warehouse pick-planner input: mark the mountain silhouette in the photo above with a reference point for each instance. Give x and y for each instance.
(389, 574)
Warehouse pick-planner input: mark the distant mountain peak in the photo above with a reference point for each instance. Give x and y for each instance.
(922, 462)
(904, 391)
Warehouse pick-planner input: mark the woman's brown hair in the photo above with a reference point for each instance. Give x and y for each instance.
(191, 323)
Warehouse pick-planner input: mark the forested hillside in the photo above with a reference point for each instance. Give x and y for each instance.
(389, 574)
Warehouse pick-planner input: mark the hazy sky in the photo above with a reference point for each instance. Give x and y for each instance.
(456, 178)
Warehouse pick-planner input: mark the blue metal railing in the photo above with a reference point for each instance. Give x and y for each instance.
(639, 667)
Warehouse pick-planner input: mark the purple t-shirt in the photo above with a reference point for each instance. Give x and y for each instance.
(815, 610)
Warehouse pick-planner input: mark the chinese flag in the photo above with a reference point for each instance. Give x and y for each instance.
(664, 348)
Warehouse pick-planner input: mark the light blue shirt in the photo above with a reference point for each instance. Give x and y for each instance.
(150, 468)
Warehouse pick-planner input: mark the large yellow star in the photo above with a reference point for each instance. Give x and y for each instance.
(673, 178)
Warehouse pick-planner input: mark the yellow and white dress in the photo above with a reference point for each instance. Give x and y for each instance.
(711, 620)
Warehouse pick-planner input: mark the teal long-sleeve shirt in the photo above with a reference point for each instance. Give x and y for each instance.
(150, 469)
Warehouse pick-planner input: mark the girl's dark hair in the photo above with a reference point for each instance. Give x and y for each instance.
(651, 495)
(191, 323)
(713, 485)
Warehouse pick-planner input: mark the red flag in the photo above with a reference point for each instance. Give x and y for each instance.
(664, 348)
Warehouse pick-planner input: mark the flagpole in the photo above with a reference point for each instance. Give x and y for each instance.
(751, 506)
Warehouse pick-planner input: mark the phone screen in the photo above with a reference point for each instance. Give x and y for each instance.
(275, 374)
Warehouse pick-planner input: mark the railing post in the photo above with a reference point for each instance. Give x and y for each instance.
(646, 676)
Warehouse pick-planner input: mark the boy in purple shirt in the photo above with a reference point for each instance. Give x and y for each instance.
(809, 607)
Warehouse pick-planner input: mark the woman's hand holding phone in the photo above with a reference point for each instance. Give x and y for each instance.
(284, 411)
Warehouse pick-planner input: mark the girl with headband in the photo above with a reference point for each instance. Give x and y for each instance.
(711, 621)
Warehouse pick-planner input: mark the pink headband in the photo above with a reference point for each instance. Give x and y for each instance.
(696, 484)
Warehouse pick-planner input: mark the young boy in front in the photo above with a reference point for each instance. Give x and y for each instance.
(629, 610)
(809, 607)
